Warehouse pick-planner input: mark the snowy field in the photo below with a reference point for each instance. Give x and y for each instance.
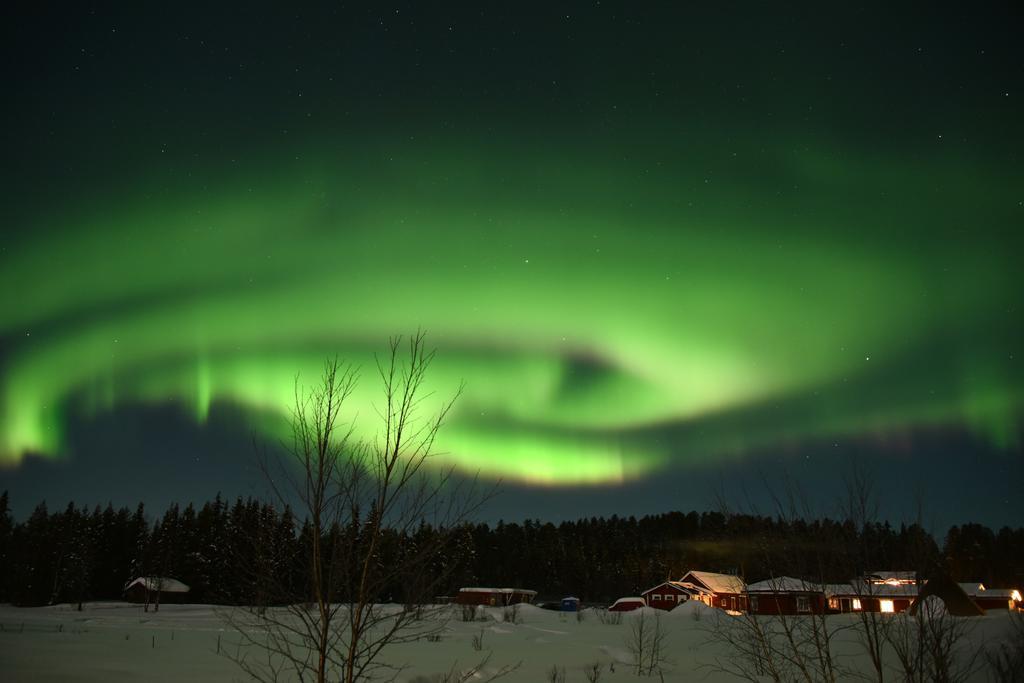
(113, 641)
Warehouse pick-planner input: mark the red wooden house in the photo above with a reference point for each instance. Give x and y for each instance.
(785, 595)
(667, 595)
(873, 594)
(725, 591)
(993, 598)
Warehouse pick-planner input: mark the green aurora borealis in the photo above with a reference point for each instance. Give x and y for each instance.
(630, 277)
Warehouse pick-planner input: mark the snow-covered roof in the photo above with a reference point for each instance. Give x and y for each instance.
(622, 601)
(719, 583)
(691, 587)
(832, 589)
(503, 591)
(783, 584)
(861, 590)
(972, 587)
(686, 588)
(163, 584)
(900, 577)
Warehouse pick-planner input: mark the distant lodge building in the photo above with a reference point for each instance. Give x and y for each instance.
(882, 592)
(494, 597)
(785, 595)
(155, 590)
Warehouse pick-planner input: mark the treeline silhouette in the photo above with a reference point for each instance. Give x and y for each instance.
(227, 551)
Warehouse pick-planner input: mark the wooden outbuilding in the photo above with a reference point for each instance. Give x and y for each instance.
(154, 590)
(494, 597)
(627, 604)
(993, 598)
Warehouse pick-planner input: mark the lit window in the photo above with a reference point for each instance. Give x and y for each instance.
(856, 603)
(887, 606)
(833, 603)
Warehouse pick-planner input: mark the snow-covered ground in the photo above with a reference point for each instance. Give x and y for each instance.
(111, 641)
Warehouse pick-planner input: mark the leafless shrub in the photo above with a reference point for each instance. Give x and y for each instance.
(510, 614)
(931, 644)
(556, 674)
(478, 641)
(646, 643)
(1005, 657)
(609, 618)
(469, 612)
(783, 647)
(592, 672)
(476, 673)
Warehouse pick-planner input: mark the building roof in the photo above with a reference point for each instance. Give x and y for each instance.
(163, 584)
(892, 578)
(503, 591)
(783, 584)
(718, 583)
(867, 590)
(685, 588)
(623, 601)
(1007, 593)
(835, 589)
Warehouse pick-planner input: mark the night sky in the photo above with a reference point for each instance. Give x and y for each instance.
(671, 251)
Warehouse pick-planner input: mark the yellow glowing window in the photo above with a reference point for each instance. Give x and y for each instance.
(856, 603)
(887, 606)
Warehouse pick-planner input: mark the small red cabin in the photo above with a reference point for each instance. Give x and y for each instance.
(627, 604)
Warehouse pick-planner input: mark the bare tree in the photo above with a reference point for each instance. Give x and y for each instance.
(860, 513)
(646, 643)
(766, 642)
(932, 645)
(363, 501)
(1005, 656)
